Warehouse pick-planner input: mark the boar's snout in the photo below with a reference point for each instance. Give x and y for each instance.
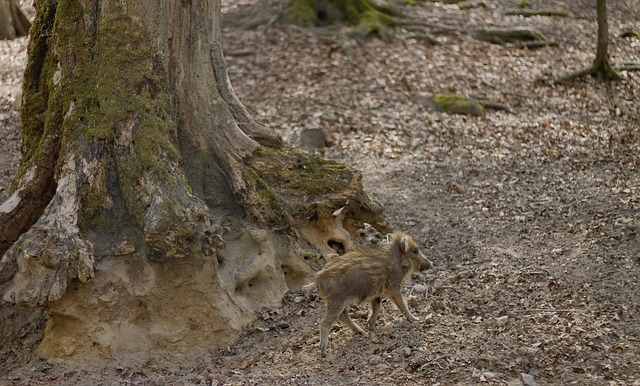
(425, 263)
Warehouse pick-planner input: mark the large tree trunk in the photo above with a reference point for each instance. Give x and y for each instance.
(150, 210)
(13, 23)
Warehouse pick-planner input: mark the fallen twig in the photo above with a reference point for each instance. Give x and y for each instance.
(548, 310)
(521, 95)
(239, 53)
(425, 37)
(628, 67)
(494, 105)
(537, 13)
(540, 272)
(537, 44)
(623, 109)
(435, 28)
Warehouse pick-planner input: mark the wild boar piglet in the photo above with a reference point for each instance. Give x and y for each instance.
(367, 274)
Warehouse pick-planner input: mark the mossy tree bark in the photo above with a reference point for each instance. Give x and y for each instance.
(13, 23)
(601, 68)
(150, 210)
(367, 16)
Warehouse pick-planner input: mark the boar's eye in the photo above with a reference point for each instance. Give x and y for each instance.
(415, 250)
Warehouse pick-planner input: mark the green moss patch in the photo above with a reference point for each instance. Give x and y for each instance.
(288, 182)
(36, 122)
(364, 15)
(457, 104)
(93, 79)
(300, 12)
(295, 171)
(92, 215)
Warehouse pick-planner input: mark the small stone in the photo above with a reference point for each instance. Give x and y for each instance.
(488, 375)
(429, 319)
(375, 360)
(419, 288)
(527, 380)
(629, 33)
(298, 299)
(501, 321)
(361, 314)
(124, 248)
(18, 101)
(313, 138)
(406, 352)
(527, 351)
(469, 4)
(208, 376)
(55, 361)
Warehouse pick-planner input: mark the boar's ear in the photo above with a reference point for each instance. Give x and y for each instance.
(404, 244)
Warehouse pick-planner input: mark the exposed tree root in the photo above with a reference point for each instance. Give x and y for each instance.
(532, 13)
(52, 252)
(508, 35)
(629, 67)
(366, 16)
(601, 71)
(425, 37)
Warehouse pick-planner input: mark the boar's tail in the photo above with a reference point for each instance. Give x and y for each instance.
(309, 287)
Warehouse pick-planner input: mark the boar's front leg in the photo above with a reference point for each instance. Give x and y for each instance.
(396, 297)
(375, 311)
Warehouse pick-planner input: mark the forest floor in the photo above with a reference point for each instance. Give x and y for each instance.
(531, 216)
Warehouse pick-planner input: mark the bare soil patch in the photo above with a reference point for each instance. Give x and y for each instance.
(530, 216)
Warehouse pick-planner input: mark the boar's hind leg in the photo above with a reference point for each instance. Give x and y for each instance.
(375, 311)
(346, 319)
(396, 296)
(333, 310)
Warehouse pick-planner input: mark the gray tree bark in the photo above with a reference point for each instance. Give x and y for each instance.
(150, 210)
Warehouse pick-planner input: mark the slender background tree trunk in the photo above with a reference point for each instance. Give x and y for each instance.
(601, 67)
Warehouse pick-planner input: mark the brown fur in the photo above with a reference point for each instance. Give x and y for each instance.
(367, 274)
